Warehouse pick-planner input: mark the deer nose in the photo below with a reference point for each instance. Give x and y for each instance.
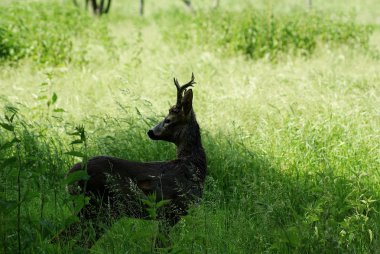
(151, 134)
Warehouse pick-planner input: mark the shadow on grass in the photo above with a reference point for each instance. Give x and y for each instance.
(251, 202)
(249, 205)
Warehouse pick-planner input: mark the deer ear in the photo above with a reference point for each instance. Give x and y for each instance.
(187, 101)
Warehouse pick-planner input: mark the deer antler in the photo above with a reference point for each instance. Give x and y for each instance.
(181, 89)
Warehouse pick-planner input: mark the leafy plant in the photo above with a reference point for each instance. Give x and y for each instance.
(259, 34)
(47, 32)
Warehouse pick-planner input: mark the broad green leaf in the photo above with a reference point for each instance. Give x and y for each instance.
(79, 201)
(71, 219)
(78, 141)
(9, 144)
(73, 133)
(43, 97)
(162, 203)
(54, 98)
(76, 176)
(7, 126)
(11, 109)
(370, 235)
(59, 110)
(11, 118)
(75, 153)
(148, 202)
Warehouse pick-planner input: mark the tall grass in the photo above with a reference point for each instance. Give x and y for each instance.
(264, 34)
(312, 207)
(292, 145)
(47, 33)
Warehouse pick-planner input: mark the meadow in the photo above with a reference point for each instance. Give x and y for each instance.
(287, 98)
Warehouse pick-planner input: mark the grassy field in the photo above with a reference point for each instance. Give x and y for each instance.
(287, 99)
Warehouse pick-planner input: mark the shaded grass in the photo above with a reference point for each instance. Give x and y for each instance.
(313, 210)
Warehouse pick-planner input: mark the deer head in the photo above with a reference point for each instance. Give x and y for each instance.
(179, 115)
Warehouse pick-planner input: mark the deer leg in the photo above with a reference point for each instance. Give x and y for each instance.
(168, 220)
(95, 219)
(94, 6)
(164, 226)
(101, 7)
(93, 223)
(163, 238)
(188, 4)
(108, 6)
(141, 7)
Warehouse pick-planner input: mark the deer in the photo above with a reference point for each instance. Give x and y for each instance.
(118, 187)
(98, 7)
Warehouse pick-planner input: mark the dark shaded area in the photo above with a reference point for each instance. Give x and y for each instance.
(280, 210)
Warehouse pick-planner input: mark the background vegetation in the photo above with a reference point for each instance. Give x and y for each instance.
(287, 99)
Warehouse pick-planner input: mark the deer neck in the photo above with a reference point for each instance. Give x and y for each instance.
(190, 144)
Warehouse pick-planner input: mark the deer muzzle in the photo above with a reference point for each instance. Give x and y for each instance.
(151, 135)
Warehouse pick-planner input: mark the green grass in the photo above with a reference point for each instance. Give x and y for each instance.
(292, 144)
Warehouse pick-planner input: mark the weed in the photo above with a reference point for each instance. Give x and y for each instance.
(258, 34)
(47, 33)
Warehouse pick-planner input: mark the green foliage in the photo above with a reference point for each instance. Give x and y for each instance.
(47, 32)
(293, 211)
(259, 34)
(8, 44)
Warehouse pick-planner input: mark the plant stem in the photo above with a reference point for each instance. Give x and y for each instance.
(18, 197)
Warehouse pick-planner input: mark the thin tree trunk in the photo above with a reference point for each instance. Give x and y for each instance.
(141, 7)
(94, 6)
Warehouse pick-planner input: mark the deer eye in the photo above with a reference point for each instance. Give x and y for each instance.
(167, 121)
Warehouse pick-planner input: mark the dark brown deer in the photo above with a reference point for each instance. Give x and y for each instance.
(99, 7)
(118, 187)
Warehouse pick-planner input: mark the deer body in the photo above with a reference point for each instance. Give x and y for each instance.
(120, 185)
(100, 7)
